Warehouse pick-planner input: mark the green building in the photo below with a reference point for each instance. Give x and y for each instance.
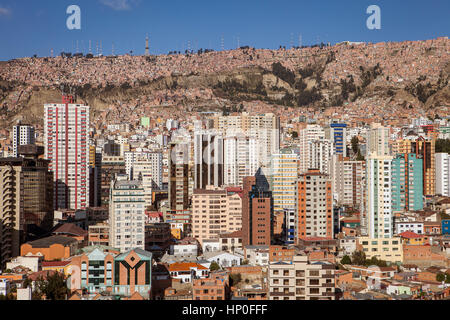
(407, 183)
(145, 122)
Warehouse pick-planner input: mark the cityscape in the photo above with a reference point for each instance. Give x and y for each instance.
(305, 172)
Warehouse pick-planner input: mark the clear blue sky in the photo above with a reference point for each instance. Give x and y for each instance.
(30, 27)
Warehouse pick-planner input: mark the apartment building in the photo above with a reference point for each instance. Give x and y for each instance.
(26, 191)
(66, 137)
(306, 136)
(423, 148)
(348, 181)
(337, 134)
(443, 174)
(301, 280)
(378, 140)
(23, 134)
(320, 152)
(179, 176)
(111, 167)
(314, 206)
(241, 158)
(215, 211)
(407, 183)
(127, 214)
(257, 214)
(283, 178)
(208, 157)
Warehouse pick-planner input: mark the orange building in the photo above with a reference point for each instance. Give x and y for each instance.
(214, 288)
(52, 248)
(281, 253)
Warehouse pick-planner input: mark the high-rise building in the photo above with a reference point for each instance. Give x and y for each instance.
(407, 184)
(179, 176)
(379, 196)
(22, 135)
(378, 140)
(314, 206)
(443, 174)
(257, 213)
(26, 191)
(264, 127)
(348, 179)
(240, 158)
(215, 211)
(283, 179)
(110, 168)
(95, 176)
(66, 133)
(423, 148)
(320, 152)
(127, 214)
(301, 280)
(306, 136)
(208, 157)
(148, 169)
(337, 134)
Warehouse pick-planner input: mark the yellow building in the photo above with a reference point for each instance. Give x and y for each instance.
(387, 249)
(411, 238)
(58, 266)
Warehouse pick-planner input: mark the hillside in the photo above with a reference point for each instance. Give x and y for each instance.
(392, 76)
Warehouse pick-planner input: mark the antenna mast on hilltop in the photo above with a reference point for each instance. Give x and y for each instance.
(292, 40)
(222, 43)
(147, 48)
(90, 46)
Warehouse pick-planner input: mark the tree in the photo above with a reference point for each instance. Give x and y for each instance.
(346, 260)
(359, 258)
(295, 134)
(355, 144)
(440, 277)
(214, 266)
(54, 288)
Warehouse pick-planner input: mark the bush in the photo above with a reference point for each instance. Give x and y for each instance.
(346, 260)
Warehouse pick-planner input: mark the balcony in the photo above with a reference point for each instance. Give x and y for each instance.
(282, 294)
(328, 276)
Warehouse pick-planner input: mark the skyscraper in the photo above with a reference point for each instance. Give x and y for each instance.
(337, 134)
(423, 148)
(179, 176)
(443, 174)
(127, 214)
(208, 157)
(240, 158)
(314, 205)
(66, 133)
(257, 214)
(378, 140)
(306, 136)
(379, 202)
(407, 184)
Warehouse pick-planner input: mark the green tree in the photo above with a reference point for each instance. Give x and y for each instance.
(54, 287)
(355, 144)
(359, 258)
(295, 134)
(346, 260)
(440, 277)
(214, 266)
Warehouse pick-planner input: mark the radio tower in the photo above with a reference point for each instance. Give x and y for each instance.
(90, 46)
(51, 52)
(147, 48)
(292, 40)
(222, 43)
